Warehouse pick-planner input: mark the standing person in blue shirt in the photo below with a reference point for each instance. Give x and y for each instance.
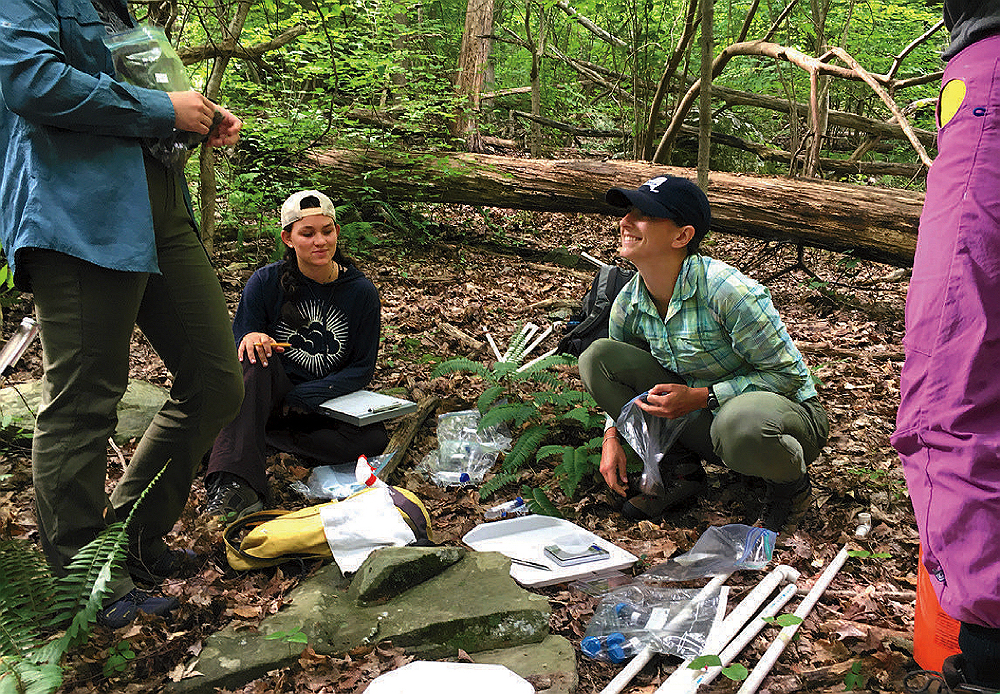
(103, 236)
(328, 313)
(702, 339)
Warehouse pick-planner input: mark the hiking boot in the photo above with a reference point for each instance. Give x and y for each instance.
(230, 498)
(123, 610)
(962, 678)
(170, 564)
(951, 680)
(683, 482)
(785, 503)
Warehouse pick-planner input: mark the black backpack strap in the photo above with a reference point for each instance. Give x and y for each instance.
(248, 522)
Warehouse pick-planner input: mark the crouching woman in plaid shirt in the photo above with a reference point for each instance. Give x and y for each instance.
(702, 338)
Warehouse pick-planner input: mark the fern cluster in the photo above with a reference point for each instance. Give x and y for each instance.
(34, 603)
(534, 416)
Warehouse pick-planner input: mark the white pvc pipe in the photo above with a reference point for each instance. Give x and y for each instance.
(537, 359)
(489, 338)
(744, 638)
(683, 679)
(777, 646)
(545, 334)
(646, 654)
(594, 260)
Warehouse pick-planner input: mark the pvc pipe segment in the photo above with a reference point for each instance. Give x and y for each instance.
(684, 679)
(777, 646)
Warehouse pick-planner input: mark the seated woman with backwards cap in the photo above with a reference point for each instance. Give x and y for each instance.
(307, 329)
(702, 339)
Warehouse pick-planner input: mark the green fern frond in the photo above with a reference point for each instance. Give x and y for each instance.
(504, 369)
(538, 502)
(544, 378)
(546, 451)
(584, 416)
(544, 363)
(26, 592)
(24, 677)
(89, 580)
(488, 397)
(462, 364)
(515, 413)
(525, 446)
(500, 480)
(515, 353)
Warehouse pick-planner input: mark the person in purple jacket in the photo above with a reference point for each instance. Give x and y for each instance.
(948, 424)
(307, 329)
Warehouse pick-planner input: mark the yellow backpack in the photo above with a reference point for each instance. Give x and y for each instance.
(278, 536)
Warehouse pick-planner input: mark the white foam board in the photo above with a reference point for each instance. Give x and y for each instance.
(525, 538)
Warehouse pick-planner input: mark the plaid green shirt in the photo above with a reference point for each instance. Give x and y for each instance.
(721, 330)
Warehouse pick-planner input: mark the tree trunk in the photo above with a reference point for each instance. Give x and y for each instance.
(206, 157)
(472, 60)
(870, 223)
(705, 96)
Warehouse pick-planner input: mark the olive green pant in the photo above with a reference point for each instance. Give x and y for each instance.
(756, 433)
(86, 316)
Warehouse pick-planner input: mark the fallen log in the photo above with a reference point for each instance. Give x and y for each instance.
(405, 432)
(869, 223)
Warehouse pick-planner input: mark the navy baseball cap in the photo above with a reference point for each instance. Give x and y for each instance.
(670, 197)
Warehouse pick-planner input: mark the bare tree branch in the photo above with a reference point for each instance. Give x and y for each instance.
(590, 26)
(196, 54)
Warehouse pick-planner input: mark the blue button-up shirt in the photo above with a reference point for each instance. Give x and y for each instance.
(73, 176)
(721, 330)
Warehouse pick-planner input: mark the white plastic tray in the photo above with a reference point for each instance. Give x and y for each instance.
(525, 538)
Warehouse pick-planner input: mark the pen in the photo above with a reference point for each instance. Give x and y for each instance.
(383, 408)
(533, 565)
(281, 344)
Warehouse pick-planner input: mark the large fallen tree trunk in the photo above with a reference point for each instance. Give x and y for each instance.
(870, 223)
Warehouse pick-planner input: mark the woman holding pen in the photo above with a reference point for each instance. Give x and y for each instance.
(307, 329)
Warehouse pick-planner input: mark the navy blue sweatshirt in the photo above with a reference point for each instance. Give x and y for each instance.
(334, 352)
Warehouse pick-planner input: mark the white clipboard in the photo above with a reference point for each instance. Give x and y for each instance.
(367, 407)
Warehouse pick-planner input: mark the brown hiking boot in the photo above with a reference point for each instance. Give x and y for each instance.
(785, 503)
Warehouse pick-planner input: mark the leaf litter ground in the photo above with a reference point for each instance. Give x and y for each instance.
(490, 269)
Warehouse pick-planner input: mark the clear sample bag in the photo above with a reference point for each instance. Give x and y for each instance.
(144, 57)
(465, 453)
(651, 437)
(669, 620)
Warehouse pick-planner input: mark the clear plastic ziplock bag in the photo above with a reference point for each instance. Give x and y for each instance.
(720, 549)
(651, 437)
(465, 453)
(671, 620)
(144, 57)
(336, 481)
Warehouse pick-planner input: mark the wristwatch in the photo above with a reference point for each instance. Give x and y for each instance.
(713, 402)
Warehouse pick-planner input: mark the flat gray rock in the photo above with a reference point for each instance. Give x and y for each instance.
(142, 400)
(473, 605)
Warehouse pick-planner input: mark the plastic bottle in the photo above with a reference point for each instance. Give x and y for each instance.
(622, 651)
(509, 509)
(364, 473)
(632, 615)
(596, 646)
